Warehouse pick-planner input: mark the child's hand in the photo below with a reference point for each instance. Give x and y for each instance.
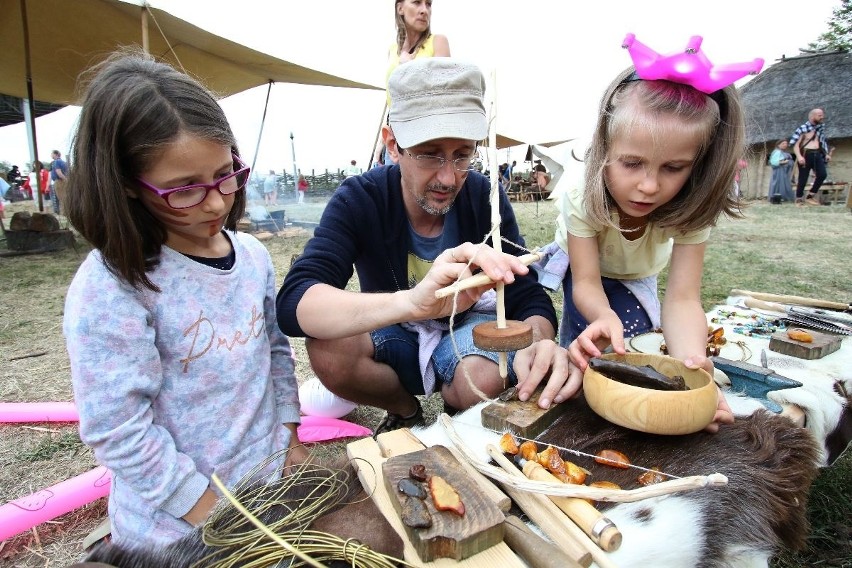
(723, 414)
(597, 336)
(201, 510)
(699, 362)
(297, 453)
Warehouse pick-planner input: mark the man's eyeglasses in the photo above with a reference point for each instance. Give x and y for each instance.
(188, 196)
(427, 162)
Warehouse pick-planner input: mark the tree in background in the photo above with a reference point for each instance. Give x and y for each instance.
(839, 34)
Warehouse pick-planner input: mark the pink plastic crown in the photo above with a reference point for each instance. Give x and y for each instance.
(690, 67)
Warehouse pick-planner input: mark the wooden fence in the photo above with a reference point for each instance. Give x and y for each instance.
(323, 183)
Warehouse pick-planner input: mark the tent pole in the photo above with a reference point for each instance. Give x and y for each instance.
(262, 123)
(30, 101)
(145, 45)
(378, 136)
(295, 169)
(27, 111)
(257, 148)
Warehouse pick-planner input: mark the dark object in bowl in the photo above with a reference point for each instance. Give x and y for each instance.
(644, 376)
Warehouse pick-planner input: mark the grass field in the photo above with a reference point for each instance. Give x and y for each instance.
(780, 249)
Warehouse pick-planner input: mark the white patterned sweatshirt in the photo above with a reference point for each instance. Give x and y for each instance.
(174, 386)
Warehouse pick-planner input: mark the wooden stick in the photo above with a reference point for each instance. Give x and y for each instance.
(551, 521)
(756, 304)
(536, 551)
(481, 279)
(497, 243)
(28, 355)
(583, 491)
(595, 524)
(798, 300)
(577, 536)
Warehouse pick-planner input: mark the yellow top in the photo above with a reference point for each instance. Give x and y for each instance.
(426, 50)
(620, 258)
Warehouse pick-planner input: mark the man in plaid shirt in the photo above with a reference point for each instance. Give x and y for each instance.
(811, 148)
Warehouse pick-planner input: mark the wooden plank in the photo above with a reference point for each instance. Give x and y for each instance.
(402, 441)
(830, 193)
(367, 460)
(451, 535)
(823, 344)
(525, 419)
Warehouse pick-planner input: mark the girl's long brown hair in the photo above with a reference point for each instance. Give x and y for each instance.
(133, 107)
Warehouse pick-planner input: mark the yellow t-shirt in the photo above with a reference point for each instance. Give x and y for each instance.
(426, 50)
(620, 258)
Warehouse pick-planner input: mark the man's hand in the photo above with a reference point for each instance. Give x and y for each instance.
(546, 359)
(452, 265)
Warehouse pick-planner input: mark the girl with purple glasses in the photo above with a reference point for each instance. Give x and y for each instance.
(179, 368)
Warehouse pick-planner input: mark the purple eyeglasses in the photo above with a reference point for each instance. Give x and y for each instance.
(188, 196)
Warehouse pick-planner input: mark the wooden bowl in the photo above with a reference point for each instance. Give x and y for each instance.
(649, 410)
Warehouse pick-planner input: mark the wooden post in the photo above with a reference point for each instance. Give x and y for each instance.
(495, 216)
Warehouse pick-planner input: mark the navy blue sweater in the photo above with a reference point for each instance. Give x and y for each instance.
(365, 225)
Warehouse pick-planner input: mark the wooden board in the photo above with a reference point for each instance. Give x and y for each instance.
(525, 419)
(451, 535)
(368, 455)
(822, 345)
(402, 441)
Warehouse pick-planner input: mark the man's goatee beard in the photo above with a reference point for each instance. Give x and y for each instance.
(424, 203)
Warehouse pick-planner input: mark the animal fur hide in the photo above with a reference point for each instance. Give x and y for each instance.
(770, 465)
(826, 382)
(355, 516)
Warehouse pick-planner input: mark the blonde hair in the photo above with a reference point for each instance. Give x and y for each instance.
(718, 119)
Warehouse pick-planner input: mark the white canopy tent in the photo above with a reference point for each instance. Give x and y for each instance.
(42, 60)
(564, 162)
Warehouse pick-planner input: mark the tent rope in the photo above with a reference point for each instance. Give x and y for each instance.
(147, 8)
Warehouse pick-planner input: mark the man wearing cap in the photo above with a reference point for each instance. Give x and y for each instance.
(410, 229)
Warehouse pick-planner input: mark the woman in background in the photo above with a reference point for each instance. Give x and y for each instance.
(414, 39)
(781, 185)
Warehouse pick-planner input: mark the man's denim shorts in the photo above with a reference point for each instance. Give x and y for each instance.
(398, 348)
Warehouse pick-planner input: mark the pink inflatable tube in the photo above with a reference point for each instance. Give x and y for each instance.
(320, 429)
(22, 514)
(38, 412)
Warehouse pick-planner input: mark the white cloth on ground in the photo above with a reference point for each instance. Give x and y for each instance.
(430, 332)
(554, 265)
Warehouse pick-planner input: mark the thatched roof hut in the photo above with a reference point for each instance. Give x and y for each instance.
(778, 100)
